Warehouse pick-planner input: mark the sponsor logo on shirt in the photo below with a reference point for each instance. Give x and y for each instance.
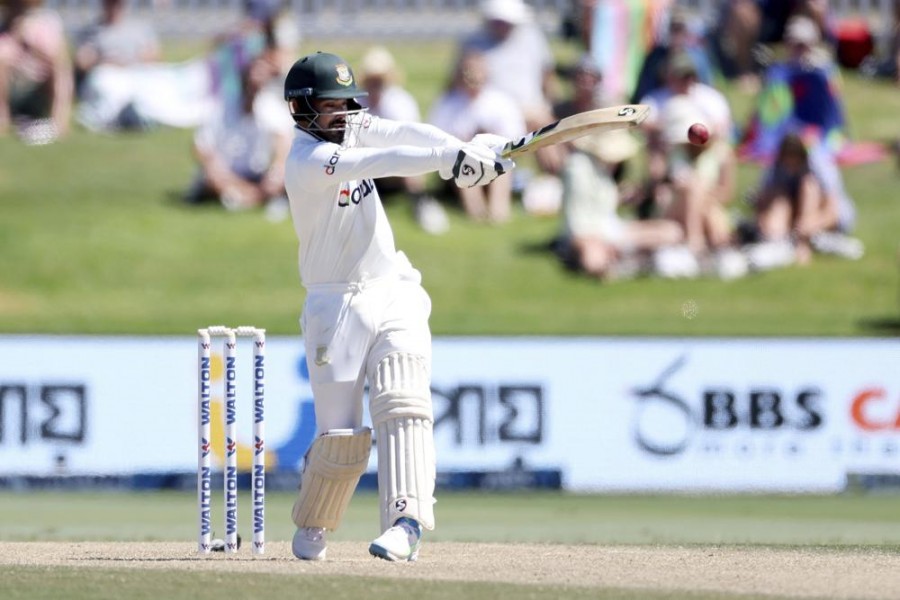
(355, 195)
(332, 162)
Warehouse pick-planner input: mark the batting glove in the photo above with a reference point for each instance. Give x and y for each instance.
(476, 165)
(490, 140)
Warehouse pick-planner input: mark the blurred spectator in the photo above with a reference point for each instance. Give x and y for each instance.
(819, 12)
(802, 95)
(520, 63)
(691, 184)
(387, 98)
(887, 63)
(587, 92)
(737, 32)
(469, 107)
(795, 214)
(241, 157)
(695, 187)
(744, 31)
(115, 38)
(594, 238)
(36, 85)
(543, 194)
(184, 94)
(681, 79)
(684, 35)
(701, 180)
(802, 91)
(518, 57)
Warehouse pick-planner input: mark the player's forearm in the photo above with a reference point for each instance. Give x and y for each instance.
(423, 135)
(399, 161)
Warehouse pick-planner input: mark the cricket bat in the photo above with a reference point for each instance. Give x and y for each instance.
(575, 126)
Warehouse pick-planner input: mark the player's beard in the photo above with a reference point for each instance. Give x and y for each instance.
(336, 133)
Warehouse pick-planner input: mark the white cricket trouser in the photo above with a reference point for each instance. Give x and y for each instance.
(348, 329)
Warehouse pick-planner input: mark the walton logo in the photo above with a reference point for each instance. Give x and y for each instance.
(291, 444)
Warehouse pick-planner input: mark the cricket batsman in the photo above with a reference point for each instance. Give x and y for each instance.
(365, 319)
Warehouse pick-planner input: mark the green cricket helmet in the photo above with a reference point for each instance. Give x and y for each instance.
(320, 76)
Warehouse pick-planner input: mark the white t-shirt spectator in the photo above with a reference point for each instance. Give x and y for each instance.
(396, 104)
(517, 64)
(490, 112)
(244, 143)
(126, 42)
(711, 104)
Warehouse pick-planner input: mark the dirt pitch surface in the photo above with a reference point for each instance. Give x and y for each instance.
(799, 573)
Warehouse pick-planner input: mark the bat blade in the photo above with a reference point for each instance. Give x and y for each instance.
(577, 125)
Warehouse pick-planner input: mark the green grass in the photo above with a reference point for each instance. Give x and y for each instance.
(843, 525)
(30, 583)
(94, 240)
(847, 520)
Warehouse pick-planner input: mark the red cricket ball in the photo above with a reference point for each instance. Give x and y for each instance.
(698, 134)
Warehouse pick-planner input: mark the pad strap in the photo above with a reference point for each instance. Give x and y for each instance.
(334, 463)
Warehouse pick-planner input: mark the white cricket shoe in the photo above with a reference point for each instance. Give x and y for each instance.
(399, 543)
(309, 543)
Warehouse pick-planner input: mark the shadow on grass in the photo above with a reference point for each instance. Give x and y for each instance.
(881, 325)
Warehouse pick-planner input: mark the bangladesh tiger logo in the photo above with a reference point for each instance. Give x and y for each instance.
(343, 75)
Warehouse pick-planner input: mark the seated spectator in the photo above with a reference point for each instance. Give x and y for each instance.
(115, 38)
(241, 157)
(802, 91)
(542, 194)
(886, 64)
(470, 107)
(586, 78)
(517, 57)
(698, 185)
(802, 94)
(795, 214)
(819, 12)
(36, 85)
(681, 79)
(183, 94)
(520, 63)
(687, 183)
(387, 98)
(736, 32)
(684, 35)
(594, 238)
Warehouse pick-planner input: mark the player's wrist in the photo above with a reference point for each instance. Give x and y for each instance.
(448, 157)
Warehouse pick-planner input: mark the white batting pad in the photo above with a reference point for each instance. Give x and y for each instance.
(401, 412)
(334, 463)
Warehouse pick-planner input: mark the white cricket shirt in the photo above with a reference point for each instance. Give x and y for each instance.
(340, 222)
